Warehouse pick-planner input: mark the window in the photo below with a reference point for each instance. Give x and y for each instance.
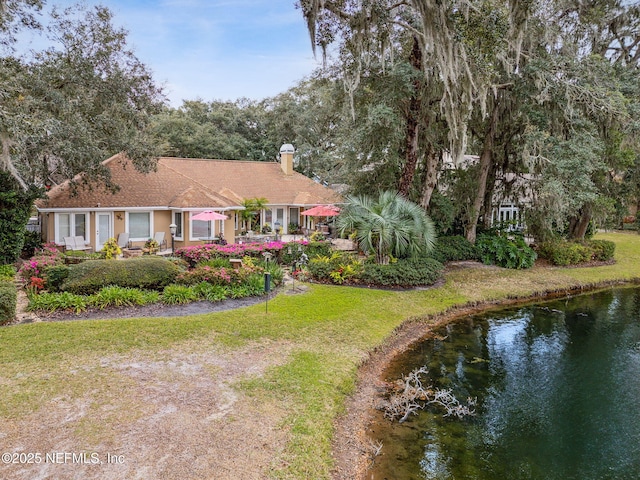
(71, 225)
(201, 229)
(294, 216)
(177, 219)
(279, 218)
(268, 218)
(139, 226)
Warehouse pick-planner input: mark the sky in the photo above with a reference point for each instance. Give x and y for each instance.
(216, 49)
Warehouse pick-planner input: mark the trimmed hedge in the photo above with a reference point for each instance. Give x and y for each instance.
(145, 272)
(454, 248)
(603, 250)
(8, 301)
(403, 273)
(562, 252)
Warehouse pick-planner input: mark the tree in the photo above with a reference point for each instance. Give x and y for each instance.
(222, 130)
(15, 15)
(250, 216)
(387, 225)
(66, 109)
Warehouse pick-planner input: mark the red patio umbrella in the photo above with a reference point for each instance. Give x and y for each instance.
(322, 211)
(209, 215)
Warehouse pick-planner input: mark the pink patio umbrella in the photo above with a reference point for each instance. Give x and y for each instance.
(322, 211)
(209, 215)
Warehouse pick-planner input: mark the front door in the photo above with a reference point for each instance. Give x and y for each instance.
(103, 229)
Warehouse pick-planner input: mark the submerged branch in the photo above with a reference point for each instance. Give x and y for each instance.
(410, 396)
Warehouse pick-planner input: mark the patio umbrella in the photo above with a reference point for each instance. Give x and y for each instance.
(209, 215)
(322, 211)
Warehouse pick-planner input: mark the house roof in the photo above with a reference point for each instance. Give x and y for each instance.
(193, 183)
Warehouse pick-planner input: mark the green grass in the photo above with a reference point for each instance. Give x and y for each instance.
(330, 330)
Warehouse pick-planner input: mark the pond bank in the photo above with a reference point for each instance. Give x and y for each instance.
(353, 451)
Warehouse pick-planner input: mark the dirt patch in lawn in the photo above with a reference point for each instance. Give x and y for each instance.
(166, 415)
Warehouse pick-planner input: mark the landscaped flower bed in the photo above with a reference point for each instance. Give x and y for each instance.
(141, 281)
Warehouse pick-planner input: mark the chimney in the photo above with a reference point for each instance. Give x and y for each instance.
(286, 158)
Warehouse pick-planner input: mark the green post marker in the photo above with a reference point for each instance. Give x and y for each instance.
(267, 289)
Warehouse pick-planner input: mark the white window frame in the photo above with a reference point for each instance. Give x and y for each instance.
(151, 230)
(59, 239)
(213, 227)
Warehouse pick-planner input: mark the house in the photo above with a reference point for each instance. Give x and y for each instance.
(512, 193)
(180, 188)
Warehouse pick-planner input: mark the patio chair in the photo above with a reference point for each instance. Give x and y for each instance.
(80, 245)
(159, 237)
(123, 240)
(69, 243)
(75, 243)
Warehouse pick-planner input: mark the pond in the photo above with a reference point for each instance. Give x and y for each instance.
(558, 395)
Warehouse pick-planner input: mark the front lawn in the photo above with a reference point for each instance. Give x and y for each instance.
(313, 343)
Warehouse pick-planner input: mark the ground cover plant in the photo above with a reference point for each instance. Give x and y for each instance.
(293, 368)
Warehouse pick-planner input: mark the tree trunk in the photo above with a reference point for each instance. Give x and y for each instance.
(488, 196)
(485, 165)
(579, 224)
(413, 125)
(430, 177)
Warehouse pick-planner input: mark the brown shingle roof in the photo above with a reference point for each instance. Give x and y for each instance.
(196, 183)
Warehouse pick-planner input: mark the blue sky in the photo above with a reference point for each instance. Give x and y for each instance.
(216, 49)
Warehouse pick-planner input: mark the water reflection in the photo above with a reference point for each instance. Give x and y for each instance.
(558, 388)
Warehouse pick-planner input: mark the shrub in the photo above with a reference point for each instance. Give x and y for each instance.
(454, 248)
(111, 249)
(151, 273)
(197, 253)
(57, 301)
(115, 296)
(36, 266)
(276, 271)
(562, 252)
(504, 251)
(403, 273)
(178, 294)
(205, 273)
(7, 272)
(32, 242)
(8, 301)
(216, 263)
(14, 214)
(321, 267)
(55, 276)
(603, 250)
(316, 249)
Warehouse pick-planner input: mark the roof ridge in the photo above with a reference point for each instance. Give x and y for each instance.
(206, 188)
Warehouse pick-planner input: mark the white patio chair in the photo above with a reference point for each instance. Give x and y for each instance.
(123, 240)
(80, 245)
(159, 237)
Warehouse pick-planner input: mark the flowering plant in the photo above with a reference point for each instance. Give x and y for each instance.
(36, 266)
(36, 285)
(111, 249)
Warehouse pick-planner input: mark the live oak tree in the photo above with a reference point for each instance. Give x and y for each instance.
(525, 79)
(460, 48)
(67, 108)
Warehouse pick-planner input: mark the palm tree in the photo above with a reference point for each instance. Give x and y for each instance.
(252, 209)
(388, 225)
